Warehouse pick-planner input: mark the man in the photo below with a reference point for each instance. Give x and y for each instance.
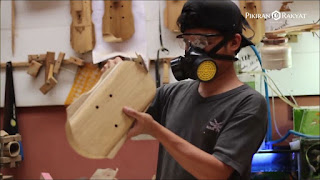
(208, 128)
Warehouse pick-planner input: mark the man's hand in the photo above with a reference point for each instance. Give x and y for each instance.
(144, 123)
(111, 63)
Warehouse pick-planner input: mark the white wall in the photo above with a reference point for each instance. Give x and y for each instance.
(44, 26)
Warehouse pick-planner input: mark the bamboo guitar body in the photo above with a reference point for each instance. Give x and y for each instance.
(82, 29)
(96, 126)
(118, 21)
(171, 14)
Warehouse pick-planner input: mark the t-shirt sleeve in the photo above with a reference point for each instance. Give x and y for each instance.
(242, 135)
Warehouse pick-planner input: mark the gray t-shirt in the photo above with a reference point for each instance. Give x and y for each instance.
(230, 126)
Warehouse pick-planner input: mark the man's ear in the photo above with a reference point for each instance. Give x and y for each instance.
(235, 42)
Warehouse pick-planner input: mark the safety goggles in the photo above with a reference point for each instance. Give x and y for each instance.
(195, 39)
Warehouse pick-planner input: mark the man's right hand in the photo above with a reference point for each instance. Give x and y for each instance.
(111, 63)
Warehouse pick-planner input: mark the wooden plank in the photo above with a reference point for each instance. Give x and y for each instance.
(118, 22)
(16, 64)
(127, 84)
(82, 29)
(300, 28)
(58, 63)
(171, 14)
(27, 64)
(258, 25)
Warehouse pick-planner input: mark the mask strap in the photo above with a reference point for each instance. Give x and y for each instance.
(223, 57)
(214, 50)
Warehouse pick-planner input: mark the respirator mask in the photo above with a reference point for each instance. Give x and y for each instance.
(197, 63)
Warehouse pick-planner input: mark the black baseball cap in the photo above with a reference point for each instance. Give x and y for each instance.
(222, 15)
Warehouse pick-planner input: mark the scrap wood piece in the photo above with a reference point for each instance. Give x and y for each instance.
(11, 149)
(48, 85)
(48, 62)
(10, 161)
(3, 133)
(50, 74)
(5, 177)
(76, 61)
(9, 138)
(34, 68)
(58, 63)
(82, 28)
(126, 84)
(118, 21)
(35, 57)
(105, 174)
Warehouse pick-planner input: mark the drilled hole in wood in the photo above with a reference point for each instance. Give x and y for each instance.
(122, 17)
(110, 17)
(97, 107)
(110, 6)
(116, 125)
(121, 5)
(110, 95)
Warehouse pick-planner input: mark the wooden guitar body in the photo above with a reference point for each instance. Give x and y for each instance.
(82, 29)
(118, 21)
(96, 126)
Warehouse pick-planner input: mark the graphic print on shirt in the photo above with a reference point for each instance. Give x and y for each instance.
(214, 125)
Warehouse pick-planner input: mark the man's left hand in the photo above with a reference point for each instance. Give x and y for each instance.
(144, 123)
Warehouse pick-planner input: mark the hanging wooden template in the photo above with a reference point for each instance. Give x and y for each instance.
(257, 24)
(171, 14)
(118, 21)
(96, 126)
(82, 29)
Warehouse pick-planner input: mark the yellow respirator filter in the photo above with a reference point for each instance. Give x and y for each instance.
(206, 70)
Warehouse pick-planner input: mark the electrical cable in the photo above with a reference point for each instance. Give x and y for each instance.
(294, 133)
(269, 141)
(269, 131)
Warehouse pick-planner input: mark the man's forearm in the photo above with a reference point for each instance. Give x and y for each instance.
(197, 162)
